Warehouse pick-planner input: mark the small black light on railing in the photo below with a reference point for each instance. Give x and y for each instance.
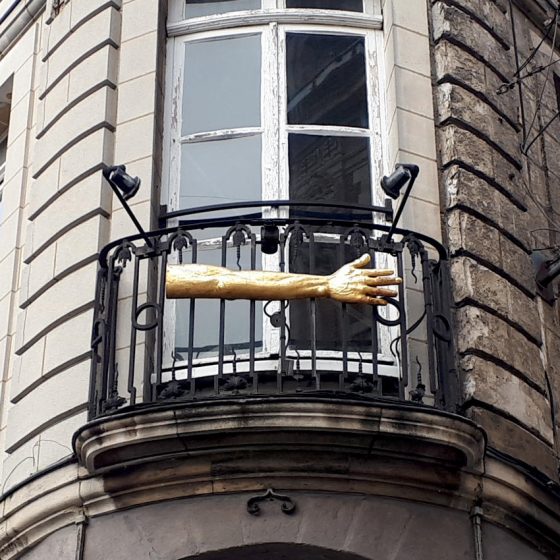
(125, 187)
(120, 179)
(270, 237)
(404, 174)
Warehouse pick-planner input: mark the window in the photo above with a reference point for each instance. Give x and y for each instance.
(272, 99)
(5, 106)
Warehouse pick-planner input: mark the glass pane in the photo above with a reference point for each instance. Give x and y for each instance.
(197, 8)
(347, 5)
(220, 171)
(331, 320)
(207, 312)
(330, 169)
(326, 80)
(222, 84)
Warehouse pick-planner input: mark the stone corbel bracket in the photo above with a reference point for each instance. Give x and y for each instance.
(54, 7)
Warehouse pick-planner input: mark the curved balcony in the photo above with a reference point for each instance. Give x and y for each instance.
(149, 350)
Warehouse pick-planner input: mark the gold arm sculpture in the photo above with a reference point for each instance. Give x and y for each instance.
(351, 283)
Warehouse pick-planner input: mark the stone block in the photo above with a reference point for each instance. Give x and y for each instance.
(28, 370)
(44, 406)
(68, 342)
(416, 134)
(419, 215)
(488, 383)
(55, 443)
(95, 34)
(83, 10)
(101, 66)
(511, 438)
(83, 201)
(450, 22)
(95, 112)
(462, 147)
(474, 282)
(411, 51)
(90, 236)
(73, 293)
(16, 156)
(411, 16)
(488, 15)
(20, 115)
(457, 104)
(20, 464)
(13, 193)
(135, 139)
(38, 275)
(89, 154)
(137, 98)
(8, 267)
(139, 18)
(138, 57)
(44, 189)
(422, 101)
(9, 234)
(479, 332)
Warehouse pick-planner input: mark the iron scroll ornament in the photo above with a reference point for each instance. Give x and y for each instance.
(288, 505)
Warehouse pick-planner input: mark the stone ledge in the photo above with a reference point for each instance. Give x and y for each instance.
(254, 424)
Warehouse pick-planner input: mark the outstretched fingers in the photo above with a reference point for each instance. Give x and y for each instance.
(369, 281)
(371, 291)
(374, 301)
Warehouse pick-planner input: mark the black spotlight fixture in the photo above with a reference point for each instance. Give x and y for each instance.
(125, 187)
(120, 179)
(392, 185)
(270, 237)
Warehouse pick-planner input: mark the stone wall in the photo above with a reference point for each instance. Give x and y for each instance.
(86, 94)
(495, 197)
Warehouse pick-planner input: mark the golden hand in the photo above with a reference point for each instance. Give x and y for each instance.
(354, 284)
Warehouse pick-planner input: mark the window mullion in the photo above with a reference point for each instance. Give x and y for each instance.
(283, 167)
(269, 112)
(376, 100)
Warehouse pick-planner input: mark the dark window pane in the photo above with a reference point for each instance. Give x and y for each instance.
(330, 169)
(331, 319)
(347, 5)
(207, 312)
(197, 8)
(222, 84)
(326, 80)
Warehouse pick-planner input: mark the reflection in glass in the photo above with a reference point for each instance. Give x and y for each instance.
(220, 171)
(222, 84)
(207, 312)
(330, 169)
(326, 80)
(197, 8)
(347, 5)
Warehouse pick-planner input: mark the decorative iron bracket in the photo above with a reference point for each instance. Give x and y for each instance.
(288, 506)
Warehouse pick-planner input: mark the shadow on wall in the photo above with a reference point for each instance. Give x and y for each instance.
(277, 551)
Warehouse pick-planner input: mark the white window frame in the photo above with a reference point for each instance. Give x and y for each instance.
(273, 22)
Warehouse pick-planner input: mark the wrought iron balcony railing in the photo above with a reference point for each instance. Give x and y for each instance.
(149, 350)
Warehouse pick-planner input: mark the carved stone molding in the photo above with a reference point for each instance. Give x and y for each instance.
(316, 425)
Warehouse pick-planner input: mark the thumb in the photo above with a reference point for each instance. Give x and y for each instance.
(363, 261)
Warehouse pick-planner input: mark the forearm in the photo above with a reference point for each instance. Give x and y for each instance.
(204, 281)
